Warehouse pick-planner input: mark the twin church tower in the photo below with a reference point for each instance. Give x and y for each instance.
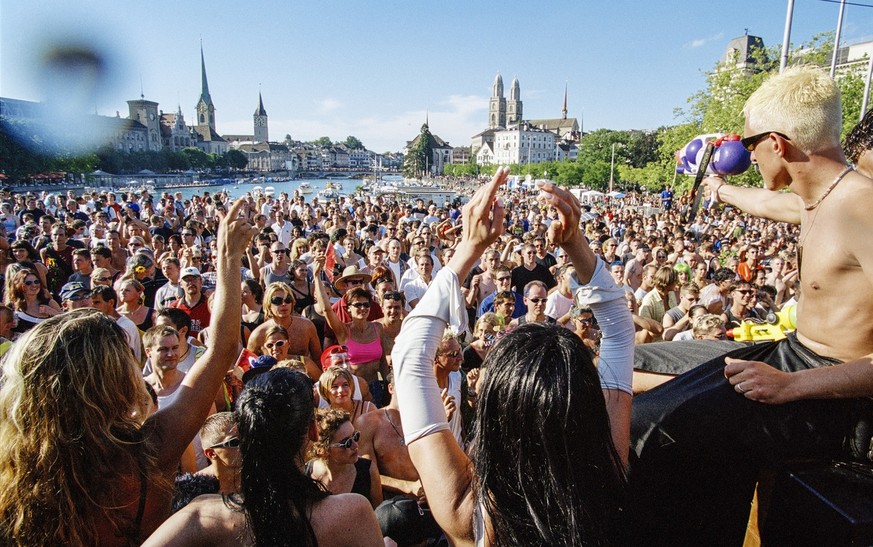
(503, 113)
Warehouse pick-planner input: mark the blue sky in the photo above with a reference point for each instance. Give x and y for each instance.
(375, 69)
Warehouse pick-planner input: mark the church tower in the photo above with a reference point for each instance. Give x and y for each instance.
(497, 105)
(260, 119)
(205, 108)
(514, 114)
(146, 113)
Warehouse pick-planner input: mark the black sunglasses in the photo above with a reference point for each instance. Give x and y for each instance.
(383, 280)
(232, 442)
(347, 443)
(749, 143)
(281, 251)
(360, 305)
(278, 300)
(537, 300)
(394, 295)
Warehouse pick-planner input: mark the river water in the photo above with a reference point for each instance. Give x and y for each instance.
(342, 186)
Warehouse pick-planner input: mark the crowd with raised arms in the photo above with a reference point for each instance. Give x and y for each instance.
(365, 370)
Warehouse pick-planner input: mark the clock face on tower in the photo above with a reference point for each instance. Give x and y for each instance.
(152, 116)
(259, 122)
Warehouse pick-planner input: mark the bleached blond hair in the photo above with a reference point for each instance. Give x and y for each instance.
(802, 102)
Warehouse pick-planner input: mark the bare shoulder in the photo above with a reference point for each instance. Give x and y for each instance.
(368, 422)
(206, 520)
(856, 198)
(346, 520)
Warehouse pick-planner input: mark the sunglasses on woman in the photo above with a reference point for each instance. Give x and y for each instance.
(360, 305)
(347, 443)
(232, 442)
(33, 282)
(278, 300)
(277, 344)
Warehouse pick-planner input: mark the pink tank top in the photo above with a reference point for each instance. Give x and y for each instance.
(363, 353)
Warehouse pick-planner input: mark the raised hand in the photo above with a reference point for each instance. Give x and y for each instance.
(235, 232)
(483, 214)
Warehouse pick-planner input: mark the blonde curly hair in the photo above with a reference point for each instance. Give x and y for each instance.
(72, 405)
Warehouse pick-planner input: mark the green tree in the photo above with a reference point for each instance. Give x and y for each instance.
(198, 159)
(353, 143)
(236, 159)
(323, 141)
(417, 162)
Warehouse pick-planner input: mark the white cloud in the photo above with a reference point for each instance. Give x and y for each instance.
(329, 105)
(699, 42)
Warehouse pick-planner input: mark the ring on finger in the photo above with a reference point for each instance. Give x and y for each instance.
(739, 388)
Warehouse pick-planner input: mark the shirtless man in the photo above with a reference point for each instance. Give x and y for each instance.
(279, 304)
(700, 441)
(633, 270)
(403, 516)
(483, 284)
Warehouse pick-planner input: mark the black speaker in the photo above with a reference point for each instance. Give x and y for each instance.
(828, 505)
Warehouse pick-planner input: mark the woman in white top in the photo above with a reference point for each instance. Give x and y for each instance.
(542, 414)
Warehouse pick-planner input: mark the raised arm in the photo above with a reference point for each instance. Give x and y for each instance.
(178, 423)
(593, 285)
(336, 325)
(760, 202)
(443, 466)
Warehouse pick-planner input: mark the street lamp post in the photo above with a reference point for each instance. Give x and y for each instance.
(612, 165)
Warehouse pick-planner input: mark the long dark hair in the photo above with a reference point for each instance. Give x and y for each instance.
(546, 469)
(274, 414)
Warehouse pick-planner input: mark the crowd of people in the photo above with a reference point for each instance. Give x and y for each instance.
(275, 370)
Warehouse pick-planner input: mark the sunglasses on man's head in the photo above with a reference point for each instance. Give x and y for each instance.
(232, 442)
(278, 300)
(394, 295)
(347, 442)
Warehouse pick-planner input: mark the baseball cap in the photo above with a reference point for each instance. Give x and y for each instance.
(74, 290)
(190, 270)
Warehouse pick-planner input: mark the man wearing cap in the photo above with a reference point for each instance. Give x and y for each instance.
(75, 295)
(193, 301)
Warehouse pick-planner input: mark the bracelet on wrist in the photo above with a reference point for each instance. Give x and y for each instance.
(717, 189)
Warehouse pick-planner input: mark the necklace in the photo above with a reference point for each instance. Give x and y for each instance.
(830, 188)
(394, 427)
